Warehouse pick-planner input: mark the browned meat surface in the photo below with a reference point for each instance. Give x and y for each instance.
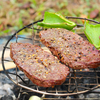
(70, 48)
(41, 67)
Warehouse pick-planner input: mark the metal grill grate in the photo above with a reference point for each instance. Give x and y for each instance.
(78, 81)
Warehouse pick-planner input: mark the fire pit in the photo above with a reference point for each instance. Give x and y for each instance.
(78, 82)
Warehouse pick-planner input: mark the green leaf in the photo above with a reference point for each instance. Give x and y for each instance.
(92, 33)
(54, 20)
(4, 32)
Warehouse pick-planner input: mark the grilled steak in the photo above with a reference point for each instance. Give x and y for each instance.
(70, 48)
(41, 67)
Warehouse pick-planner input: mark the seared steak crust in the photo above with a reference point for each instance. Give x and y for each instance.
(70, 48)
(41, 67)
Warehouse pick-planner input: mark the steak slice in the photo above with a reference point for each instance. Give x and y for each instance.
(70, 48)
(41, 67)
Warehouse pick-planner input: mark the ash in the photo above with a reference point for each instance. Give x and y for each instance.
(7, 87)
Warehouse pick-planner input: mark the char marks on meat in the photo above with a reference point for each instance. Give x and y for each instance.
(70, 48)
(41, 67)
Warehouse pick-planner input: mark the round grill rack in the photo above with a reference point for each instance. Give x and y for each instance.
(78, 81)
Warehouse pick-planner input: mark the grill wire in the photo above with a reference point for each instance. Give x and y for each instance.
(78, 81)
